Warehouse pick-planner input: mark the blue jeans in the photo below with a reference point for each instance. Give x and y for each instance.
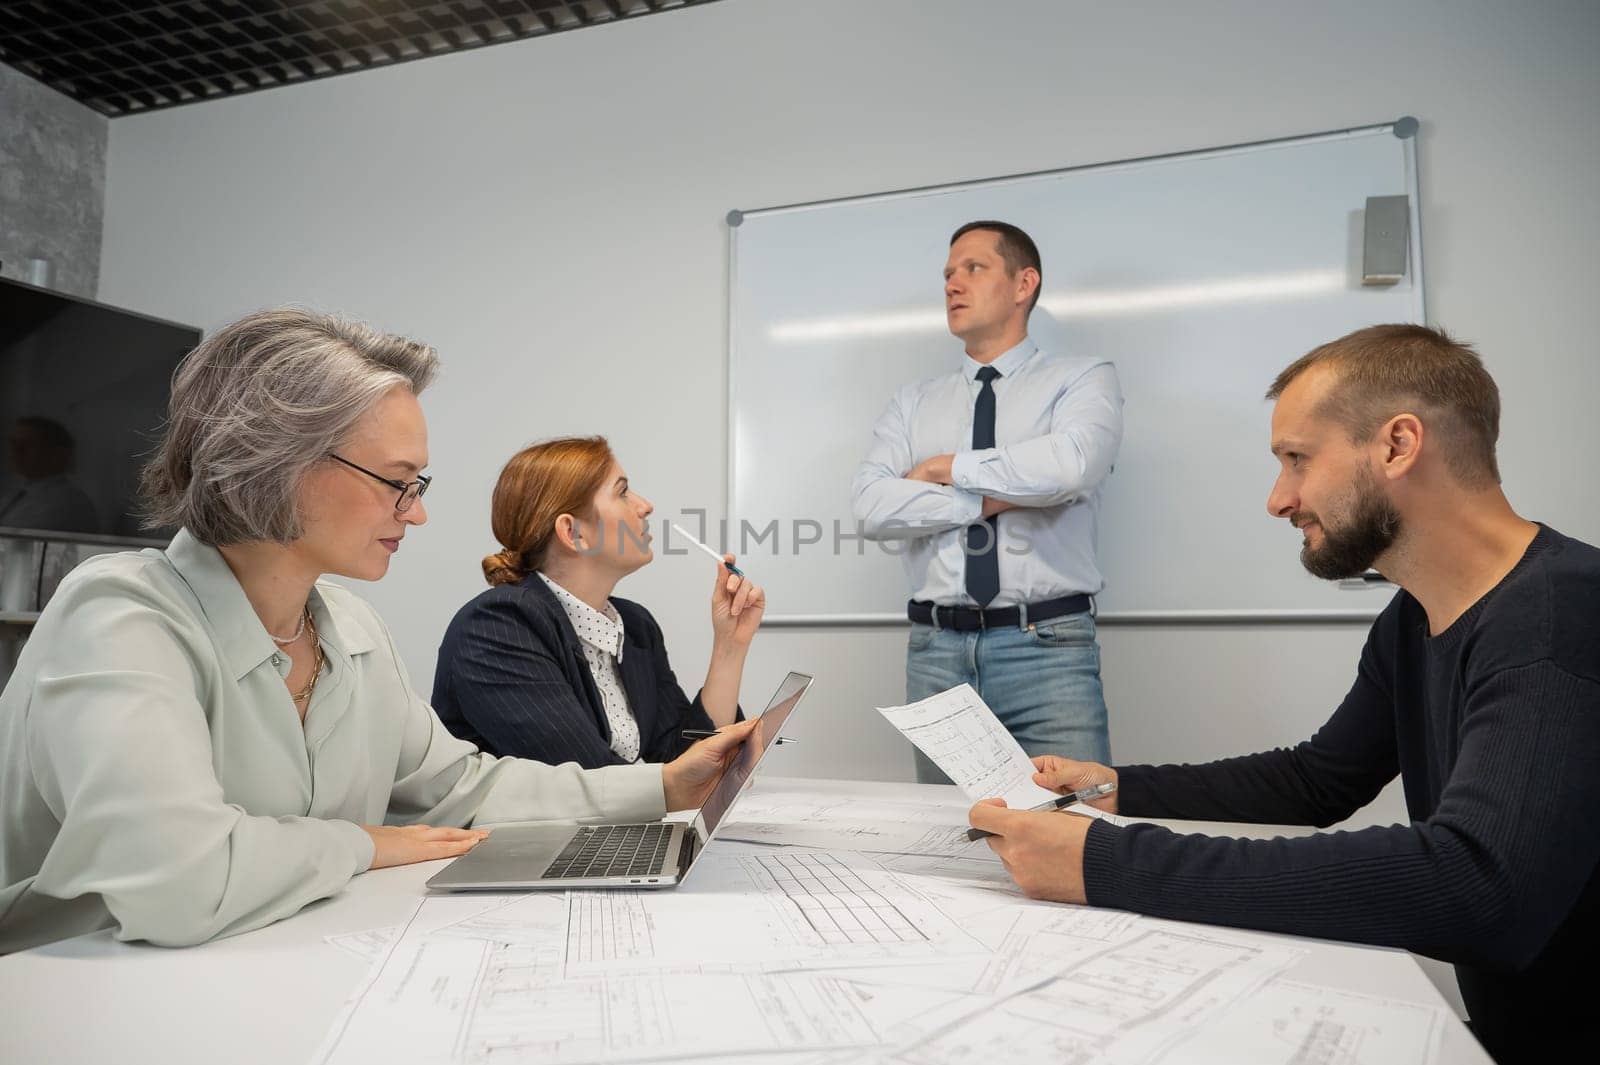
(1042, 682)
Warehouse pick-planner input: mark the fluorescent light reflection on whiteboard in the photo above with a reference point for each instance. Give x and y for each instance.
(882, 323)
(1082, 304)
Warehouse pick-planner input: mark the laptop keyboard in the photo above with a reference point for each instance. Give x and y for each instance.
(612, 850)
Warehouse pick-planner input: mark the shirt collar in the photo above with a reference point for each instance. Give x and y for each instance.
(1007, 364)
(337, 628)
(600, 630)
(241, 637)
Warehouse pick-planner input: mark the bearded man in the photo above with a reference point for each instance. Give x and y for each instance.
(1479, 686)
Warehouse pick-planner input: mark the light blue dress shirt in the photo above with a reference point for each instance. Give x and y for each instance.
(1058, 423)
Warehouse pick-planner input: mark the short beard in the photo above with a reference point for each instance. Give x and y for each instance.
(1353, 548)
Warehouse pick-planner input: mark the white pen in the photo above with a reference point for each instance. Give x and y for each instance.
(735, 570)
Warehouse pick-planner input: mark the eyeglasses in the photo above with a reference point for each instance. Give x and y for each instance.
(410, 491)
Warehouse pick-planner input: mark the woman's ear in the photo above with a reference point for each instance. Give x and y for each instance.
(569, 533)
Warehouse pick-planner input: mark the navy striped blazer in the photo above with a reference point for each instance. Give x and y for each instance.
(512, 678)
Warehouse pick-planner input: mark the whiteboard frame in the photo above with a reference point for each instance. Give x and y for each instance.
(1405, 129)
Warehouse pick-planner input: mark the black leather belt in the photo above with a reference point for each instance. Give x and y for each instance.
(971, 619)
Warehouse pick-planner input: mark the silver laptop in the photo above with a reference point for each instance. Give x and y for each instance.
(654, 855)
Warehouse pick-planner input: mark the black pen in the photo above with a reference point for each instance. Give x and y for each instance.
(1094, 791)
(707, 733)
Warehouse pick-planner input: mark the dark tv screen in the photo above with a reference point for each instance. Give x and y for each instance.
(83, 395)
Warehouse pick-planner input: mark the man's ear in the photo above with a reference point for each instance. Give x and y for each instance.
(1400, 442)
(1029, 277)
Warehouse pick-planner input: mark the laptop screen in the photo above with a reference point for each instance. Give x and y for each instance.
(766, 731)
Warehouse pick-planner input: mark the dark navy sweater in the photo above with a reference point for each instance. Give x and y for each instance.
(1494, 728)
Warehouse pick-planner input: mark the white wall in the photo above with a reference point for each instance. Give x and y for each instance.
(549, 214)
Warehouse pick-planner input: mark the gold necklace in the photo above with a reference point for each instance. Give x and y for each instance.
(304, 694)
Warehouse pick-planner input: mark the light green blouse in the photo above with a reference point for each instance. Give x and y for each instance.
(155, 776)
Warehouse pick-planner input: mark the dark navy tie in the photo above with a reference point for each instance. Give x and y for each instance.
(983, 539)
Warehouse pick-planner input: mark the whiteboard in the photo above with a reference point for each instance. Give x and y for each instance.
(1199, 275)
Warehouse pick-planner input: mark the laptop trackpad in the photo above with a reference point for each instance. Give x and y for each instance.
(513, 854)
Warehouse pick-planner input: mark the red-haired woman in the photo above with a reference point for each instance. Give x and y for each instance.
(547, 664)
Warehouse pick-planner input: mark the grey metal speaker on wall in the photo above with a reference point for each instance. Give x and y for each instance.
(1387, 240)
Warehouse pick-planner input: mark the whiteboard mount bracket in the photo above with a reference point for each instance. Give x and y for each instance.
(735, 219)
(1405, 127)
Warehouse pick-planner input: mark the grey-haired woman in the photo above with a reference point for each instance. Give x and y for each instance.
(201, 740)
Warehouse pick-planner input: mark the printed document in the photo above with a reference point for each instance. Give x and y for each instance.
(804, 819)
(795, 956)
(960, 734)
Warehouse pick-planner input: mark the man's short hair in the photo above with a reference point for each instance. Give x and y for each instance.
(1016, 248)
(1384, 370)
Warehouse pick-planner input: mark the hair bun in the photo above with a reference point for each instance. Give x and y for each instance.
(503, 567)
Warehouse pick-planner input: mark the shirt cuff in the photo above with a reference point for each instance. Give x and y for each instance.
(1099, 864)
(969, 505)
(362, 847)
(634, 792)
(1136, 792)
(964, 469)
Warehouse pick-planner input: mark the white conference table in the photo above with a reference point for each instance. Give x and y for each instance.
(270, 996)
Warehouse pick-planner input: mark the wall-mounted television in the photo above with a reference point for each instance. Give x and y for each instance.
(83, 395)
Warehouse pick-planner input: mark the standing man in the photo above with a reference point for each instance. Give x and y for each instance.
(1479, 686)
(991, 475)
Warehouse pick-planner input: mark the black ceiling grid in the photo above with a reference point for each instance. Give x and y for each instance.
(122, 57)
